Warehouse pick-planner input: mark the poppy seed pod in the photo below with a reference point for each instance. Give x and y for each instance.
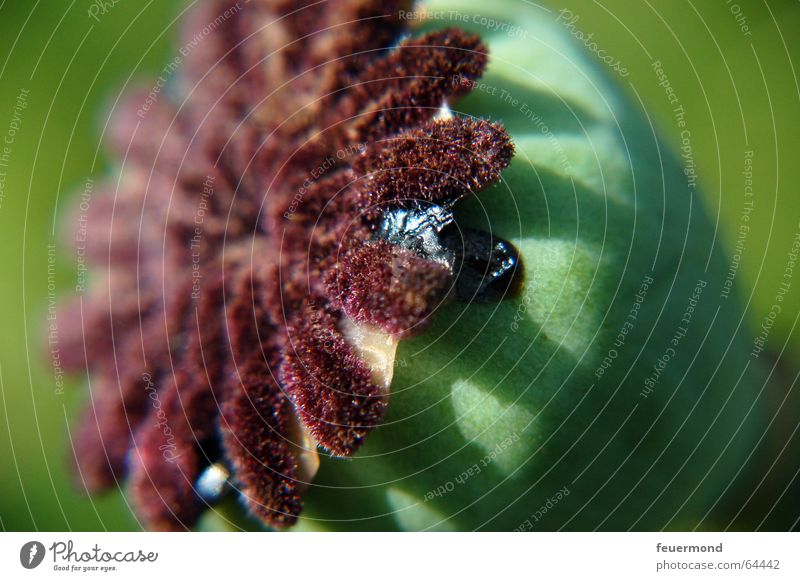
(619, 389)
(365, 266)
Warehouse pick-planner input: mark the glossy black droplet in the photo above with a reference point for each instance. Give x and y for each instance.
(487, 268)
(418, 228)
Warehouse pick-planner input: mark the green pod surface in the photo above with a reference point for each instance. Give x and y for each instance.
(619, 389)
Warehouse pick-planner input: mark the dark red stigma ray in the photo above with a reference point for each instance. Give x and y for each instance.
(238, 238)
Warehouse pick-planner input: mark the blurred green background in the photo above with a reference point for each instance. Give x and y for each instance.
(732, 64)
